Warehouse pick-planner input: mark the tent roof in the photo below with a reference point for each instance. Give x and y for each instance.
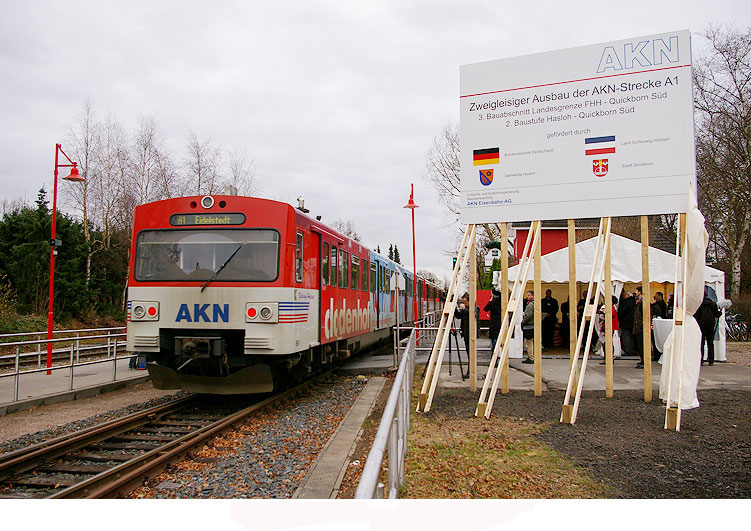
(625, 263)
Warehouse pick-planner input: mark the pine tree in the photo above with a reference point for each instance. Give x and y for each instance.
(397, 259)
(391, 252)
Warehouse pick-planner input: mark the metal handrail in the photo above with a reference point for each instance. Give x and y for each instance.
(392, 433)
(78, 331)
(111, 347)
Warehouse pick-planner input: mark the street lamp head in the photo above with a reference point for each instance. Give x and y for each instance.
(74, 175)
(411, 203)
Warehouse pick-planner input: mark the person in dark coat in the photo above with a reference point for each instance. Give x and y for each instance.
(669, 311)
(658, 309)
(549, 309)
(639, 327)
(706, 316)
(580, 315)
(565, 323)
(626, 309)
(496, 312)
(462, 313)
(662, 313)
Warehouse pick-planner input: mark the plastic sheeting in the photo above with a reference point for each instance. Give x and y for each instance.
(680, 367)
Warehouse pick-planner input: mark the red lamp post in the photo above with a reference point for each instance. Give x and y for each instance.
(412, 206)
(55, 243)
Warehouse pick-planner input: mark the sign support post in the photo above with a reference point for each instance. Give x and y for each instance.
(504, 298)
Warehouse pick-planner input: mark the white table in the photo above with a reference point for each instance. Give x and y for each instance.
(663, 327)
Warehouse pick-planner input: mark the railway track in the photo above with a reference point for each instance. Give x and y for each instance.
(114, 458)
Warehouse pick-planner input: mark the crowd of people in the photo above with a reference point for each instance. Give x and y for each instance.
(627, 322)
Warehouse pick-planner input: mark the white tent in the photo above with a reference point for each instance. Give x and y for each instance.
(626, 267)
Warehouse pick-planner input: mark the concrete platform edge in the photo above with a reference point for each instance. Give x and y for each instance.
(357, 414)
(75, 394)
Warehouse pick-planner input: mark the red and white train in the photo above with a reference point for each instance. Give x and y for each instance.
(231, 294)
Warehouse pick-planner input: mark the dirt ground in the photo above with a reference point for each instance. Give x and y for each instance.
(621, 442)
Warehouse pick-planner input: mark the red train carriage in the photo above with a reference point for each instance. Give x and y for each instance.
(231, 294)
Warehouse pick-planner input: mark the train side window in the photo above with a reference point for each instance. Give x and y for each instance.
(365, 272)
(333, 266)
(355, 272)
(373, 277)
(343, 268)
(325, 264)
(298, 256)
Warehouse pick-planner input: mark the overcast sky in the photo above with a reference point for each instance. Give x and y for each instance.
(337, 101)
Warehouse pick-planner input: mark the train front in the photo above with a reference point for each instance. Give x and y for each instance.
(208, 282)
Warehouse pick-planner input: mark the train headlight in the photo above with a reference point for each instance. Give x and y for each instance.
(261, 312)
(207, 201)
(144, 311)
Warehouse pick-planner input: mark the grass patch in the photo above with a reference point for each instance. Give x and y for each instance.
(466, 458)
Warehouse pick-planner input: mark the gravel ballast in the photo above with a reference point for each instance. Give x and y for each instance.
(268, 456)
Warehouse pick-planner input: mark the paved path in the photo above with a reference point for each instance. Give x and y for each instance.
(325, 476)
(40, 388)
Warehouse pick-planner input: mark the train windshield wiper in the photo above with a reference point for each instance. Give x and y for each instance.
(220, 269)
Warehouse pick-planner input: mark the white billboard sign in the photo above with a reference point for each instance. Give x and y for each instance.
(595, 131)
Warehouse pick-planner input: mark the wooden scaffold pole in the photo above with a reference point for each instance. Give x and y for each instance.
(646, 314)
(433, 368)
(569, 412)
(485, 402)
(673, 414)
(504, 297)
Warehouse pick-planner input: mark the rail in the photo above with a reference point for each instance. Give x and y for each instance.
(392, 432)
(109, 348)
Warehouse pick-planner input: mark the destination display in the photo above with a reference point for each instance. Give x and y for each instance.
(180, 220)
(595, 131)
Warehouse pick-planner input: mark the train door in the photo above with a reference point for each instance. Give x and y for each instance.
(329, 278)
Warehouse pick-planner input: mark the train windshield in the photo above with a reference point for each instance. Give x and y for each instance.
(248, 255)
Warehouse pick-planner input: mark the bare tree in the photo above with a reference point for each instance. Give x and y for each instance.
(168, 177)
(347, 228)
(203, 165)
(722, 82)
(242, 171)
(107, 180)
(85, 138)
(144, 160)
(442, 167)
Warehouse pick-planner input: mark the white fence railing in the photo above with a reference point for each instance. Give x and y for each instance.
(106, 340)
(392, 433)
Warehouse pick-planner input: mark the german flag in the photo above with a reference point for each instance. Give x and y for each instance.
(481, 157)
